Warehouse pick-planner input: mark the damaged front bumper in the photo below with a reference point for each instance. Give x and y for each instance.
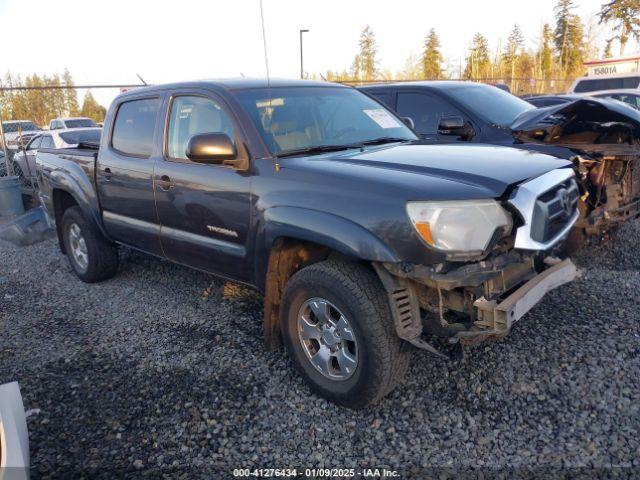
(499, 316)
(473, 302)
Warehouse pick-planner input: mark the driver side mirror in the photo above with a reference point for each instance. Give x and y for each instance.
(211, 148)
(455, 126)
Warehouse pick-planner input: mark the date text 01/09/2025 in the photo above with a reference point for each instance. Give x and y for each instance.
(315, 472)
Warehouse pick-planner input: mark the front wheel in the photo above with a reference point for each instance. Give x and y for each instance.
(338, 330)
(92, 257)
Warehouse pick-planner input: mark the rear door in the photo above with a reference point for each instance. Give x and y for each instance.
(124, 174)
(204, 209)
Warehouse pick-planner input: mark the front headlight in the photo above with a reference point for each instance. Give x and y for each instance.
(464, 226)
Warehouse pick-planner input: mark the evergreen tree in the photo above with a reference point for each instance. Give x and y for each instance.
(432, 57)
(366, 59)
(356, 69)
(92, 109)
(546, 51)
(568, 29)
(575, 48)
(625, 17)
(70, 97)
(478, 62)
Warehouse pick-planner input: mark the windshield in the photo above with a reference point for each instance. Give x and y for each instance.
(12, 127)
(79, 123)
(595, 84)
(296, 118)
(494, 105)
(75, 137)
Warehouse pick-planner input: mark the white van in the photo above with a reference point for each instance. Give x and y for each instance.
(620, 81)
(621, 73)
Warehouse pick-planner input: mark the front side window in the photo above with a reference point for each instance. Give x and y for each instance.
(35, 143)
(134, 127)
(47, 142)
(425, 110)
(295, 118)
(191, 115)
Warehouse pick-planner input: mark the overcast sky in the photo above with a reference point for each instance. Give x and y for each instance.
(109, 41)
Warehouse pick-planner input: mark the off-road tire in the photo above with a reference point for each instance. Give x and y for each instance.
(357, 292)
(102, 254)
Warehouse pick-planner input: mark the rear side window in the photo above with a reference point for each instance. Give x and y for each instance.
(134, 127)
(77, 136)
(593, 85)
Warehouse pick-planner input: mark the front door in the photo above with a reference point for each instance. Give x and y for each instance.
(204, 209)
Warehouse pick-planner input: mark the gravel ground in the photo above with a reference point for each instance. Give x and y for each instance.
(161, 371)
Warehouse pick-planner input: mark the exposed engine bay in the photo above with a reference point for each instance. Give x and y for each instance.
(605, 137)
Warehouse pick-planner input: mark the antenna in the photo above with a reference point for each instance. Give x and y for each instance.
(266, 62)
(141, 79)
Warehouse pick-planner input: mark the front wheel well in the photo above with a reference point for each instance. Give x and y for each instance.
(287, 256)
(62, 201)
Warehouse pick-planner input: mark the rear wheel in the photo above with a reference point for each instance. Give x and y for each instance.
(92, 257)
(338, 330)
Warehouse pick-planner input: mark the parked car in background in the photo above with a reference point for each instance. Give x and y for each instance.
(24, 160)
(630, 97)
(16, 131)
(362, 240)
(71, 122)
(614, 81)
(601, 137)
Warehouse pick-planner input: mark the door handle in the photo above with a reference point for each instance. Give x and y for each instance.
(107, 173)
(164, 182)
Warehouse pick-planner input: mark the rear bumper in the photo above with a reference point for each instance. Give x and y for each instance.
(499, 316)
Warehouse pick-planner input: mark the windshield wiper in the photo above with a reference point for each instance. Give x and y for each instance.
(381, 140)
(336, 148)
(316, 149)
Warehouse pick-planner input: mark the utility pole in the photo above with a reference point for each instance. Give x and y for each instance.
(301, 61)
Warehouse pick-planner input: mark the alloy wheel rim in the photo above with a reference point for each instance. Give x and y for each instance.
(78, 247)
(327, 339)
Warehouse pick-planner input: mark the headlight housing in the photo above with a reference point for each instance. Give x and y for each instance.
(459, 226)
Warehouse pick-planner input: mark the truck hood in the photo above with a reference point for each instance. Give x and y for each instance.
(588, 124)
(490, 169)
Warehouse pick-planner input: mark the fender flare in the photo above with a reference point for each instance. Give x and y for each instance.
(83, 192)
(322, 228)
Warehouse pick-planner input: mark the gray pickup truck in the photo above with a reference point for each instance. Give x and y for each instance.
(363, 242)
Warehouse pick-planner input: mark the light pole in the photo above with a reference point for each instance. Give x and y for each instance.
(301, 64)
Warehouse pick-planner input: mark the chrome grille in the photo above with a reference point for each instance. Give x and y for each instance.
(548, 205)
(553, 210)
